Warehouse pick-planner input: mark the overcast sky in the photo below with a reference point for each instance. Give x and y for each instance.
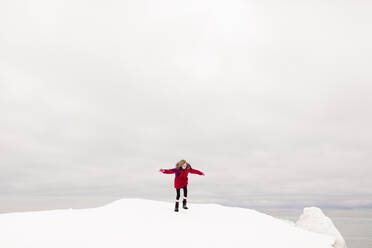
(271, 99)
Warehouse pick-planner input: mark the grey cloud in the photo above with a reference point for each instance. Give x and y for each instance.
(267, 98)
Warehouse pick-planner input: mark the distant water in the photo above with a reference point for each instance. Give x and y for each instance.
(355, 225)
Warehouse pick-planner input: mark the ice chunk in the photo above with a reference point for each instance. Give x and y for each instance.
(313, 219)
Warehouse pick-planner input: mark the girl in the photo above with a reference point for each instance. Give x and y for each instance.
(181, 180)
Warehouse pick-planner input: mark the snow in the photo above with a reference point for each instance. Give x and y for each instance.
(143, 223)
(313, 219)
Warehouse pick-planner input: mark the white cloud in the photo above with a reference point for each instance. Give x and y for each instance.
(273, 97)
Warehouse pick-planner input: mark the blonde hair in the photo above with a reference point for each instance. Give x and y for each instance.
(180, 163)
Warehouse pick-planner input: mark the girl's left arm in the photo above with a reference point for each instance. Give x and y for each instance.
(194, 171)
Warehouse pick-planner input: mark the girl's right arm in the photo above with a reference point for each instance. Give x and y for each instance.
(171, 171)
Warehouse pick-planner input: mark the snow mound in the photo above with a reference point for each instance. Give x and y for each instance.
(138, 223)
(313, 219)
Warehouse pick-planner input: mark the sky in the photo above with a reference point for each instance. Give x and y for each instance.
(270, 99)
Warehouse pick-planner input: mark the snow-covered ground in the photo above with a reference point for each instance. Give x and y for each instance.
(146, 223)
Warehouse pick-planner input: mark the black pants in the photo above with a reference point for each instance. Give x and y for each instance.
(179, 191)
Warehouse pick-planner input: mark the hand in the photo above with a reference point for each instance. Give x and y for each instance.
(162, 170)
(203, 174)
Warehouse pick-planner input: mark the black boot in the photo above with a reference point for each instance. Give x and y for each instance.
(184, 204)
(176, 207)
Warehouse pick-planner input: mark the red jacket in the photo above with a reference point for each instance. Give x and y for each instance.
(181, 178)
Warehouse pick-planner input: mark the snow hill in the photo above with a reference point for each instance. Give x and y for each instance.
(147, 223)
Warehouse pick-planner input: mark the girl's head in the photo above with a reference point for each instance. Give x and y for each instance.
(181, 164)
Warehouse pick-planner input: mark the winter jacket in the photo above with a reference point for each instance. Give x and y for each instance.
(181, 179)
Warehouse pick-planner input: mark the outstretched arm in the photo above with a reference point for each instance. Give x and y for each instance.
(166, 171)
(194, 171)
